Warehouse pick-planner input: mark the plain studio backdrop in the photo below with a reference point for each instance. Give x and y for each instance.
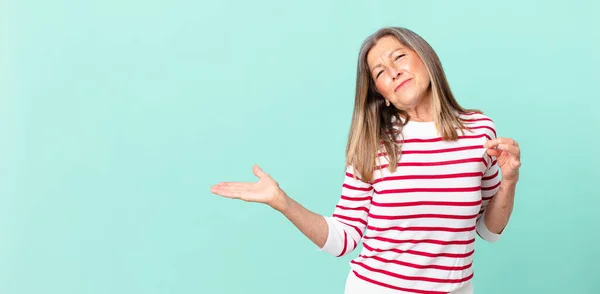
(116, 117)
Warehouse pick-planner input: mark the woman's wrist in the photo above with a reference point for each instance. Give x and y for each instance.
(508, 184)
(281, 201)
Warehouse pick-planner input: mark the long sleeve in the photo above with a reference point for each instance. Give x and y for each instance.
(490, 184)
(349, 219)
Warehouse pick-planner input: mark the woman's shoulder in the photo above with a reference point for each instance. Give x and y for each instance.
(479, 120)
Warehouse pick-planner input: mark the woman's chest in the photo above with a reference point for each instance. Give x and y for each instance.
(435, 170)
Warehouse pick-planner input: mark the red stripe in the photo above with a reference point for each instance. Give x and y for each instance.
(429, 177)
(490, 177)
(413, 241)
(360, 233)
(431, 215)
(351, 176)
(420, 253)
(345, 243)
(419, 266)
(435, 163)
(485, 127)
(432, 190)
(356, 188)
(354, 244)
(438, 139)
(395, 287)
(490, 188)
(411, 278)
(487, 198)
(476, 119)
(426, 229)
(418, 203)
(356, 198)
(442, 150)
(434, 151)
(353, 208)
(351, 218)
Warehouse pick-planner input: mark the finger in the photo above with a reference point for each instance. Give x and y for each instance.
(516, 164)
(491, 144)
(511, 149)
(495, 142)
(236, 185)
(259, 172)
(232, 187)
(229, 189)
(233, 195)
(226, 192)
(494, 152)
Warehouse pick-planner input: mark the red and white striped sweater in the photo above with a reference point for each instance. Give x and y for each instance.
(418, 224)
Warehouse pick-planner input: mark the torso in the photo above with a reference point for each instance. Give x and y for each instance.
(421, 223)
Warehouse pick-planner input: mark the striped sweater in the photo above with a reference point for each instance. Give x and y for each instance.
(418, 224)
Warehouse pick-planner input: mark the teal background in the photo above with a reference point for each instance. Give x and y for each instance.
(117, 116)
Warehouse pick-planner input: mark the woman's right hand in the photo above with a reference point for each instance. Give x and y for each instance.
(266, 190)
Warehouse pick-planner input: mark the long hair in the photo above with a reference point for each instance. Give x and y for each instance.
(372, 121)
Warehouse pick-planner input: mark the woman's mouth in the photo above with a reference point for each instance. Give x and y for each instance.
(402, 84)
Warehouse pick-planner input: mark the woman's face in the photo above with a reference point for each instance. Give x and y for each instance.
(399, 74)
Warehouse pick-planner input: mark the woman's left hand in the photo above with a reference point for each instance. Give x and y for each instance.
(508, 153)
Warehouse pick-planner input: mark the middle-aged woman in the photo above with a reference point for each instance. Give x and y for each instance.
(423, 177)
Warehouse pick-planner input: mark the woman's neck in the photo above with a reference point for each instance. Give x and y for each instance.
(422, 111)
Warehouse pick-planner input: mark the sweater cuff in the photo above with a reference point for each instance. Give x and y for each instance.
(334, 239)
(484, 232)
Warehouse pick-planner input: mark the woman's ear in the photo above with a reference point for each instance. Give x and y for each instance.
(387, 102)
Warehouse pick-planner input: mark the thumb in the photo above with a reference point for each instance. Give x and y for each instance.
(259, 172)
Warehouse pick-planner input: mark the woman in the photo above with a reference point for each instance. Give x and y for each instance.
(423, 177)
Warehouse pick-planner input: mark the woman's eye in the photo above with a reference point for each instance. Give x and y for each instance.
(379, 73)
(398, 57)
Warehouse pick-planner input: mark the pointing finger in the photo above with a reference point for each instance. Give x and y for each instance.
(512, 149)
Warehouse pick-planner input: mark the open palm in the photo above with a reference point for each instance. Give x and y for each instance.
(265, 190)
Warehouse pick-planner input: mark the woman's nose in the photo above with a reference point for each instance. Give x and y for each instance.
(395, 73)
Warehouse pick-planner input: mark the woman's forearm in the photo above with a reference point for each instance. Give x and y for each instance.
(500, 207)
(311, 224)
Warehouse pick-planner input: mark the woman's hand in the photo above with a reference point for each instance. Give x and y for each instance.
(266, 190)
(508, 153)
